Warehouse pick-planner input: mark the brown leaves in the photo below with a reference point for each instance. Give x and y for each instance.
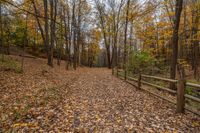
(86, 100)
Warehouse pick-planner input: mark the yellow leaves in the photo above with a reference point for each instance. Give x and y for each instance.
(162, 24)
(119, 120)
(94, 48)
(196, 124)
(149, 33)
(167, 15)
(184, 63)
(148, 19)
(98, 118)
(94, 45)
(30, 125)
(97, 35)
(170, 132)
(132, 16)
(167, 34)
(165, 2)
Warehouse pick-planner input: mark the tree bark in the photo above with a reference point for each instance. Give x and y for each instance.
(175, 38)
(195, 41)
(74, 35)
(125, 38)
(1, 33)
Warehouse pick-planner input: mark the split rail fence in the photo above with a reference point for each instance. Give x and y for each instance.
(180, 93)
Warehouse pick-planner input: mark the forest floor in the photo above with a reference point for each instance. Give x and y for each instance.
(45, 99)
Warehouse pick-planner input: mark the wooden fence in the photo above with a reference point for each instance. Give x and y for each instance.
(180, 94)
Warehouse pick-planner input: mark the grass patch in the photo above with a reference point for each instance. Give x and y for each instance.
(8, 64)
(193, 81)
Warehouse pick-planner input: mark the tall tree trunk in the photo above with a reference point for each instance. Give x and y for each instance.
(74, 35)
(1, 33)
(60, 43)
(195, 41)
(24, 42)
(125, 38)
(40, 26)
(50, 49)
(78, 33)
(47, 46)
(175, 38)
(116, 53)
(67, 38)
(184, 53)
(53, 14)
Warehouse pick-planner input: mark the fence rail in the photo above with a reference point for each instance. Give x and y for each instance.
(159, 78)
(193, 85)
(179, 93)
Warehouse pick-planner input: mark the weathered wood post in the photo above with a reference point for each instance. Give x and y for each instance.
(139, 81)
(117, 72)
(181, 90)
(125, 74)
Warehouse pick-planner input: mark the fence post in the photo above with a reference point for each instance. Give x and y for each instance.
(117, 72)
(139, 81)
(181, 90)
(125, 74)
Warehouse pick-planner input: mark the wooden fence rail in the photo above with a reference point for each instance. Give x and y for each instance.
(180, 92)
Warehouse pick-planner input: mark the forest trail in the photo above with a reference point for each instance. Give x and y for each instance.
(86, 100)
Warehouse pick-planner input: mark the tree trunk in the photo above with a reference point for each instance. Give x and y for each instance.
(1, 33)
(125, 38)
(39, 24)
(175, 38)
(195, 41)
(74, 35)
(67, 38)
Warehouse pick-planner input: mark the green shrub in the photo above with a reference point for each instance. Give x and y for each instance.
(141, 61)
(8, 64)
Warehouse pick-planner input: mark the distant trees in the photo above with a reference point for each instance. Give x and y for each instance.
(93, 48)
(101, 13)
(109, 15)
(65, 30)
(63, 27)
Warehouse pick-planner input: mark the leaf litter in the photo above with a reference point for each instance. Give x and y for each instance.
(45, 99)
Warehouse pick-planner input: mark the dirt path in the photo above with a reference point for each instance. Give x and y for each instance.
(100, 102)
(86, 100)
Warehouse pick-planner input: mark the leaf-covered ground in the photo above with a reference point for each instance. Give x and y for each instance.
(87, 100)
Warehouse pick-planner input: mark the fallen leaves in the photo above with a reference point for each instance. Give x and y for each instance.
(24, 125)
(87, 100)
